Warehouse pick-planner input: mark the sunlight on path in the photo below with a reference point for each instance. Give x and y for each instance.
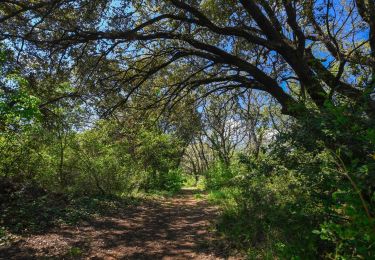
(172, 228)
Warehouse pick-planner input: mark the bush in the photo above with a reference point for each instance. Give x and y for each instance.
(218, 176)
(174, 180)
(269, 211)
(310, 195)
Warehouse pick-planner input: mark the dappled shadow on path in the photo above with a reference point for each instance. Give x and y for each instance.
(174, 228)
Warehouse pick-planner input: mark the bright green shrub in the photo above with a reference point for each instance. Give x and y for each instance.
(174, 180)
(311, 195)
(218, 176)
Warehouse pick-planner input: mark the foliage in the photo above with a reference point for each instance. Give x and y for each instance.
(218, 176)
(18, 108)
(353, 199)
(173, 181)
(32, 209)
(123, 97)
(269, 206)
(93, 163)
(302, 198)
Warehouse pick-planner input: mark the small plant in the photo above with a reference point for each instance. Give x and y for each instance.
(3, 235)
(75, 251)
(198, 196)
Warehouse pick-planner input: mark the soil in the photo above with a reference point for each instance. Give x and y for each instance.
(172, 228)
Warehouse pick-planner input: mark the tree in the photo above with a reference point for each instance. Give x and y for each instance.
(223, 129)
(310, 56)
(264, 45)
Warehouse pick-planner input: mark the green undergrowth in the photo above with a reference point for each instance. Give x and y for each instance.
(156, 194)
(32, 210)
(258, 231)
(28, 215)
(191, 181)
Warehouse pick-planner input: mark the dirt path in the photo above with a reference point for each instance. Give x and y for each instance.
(174, 228)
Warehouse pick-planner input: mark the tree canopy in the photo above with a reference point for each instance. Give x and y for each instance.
(301, 53)
(268, 105)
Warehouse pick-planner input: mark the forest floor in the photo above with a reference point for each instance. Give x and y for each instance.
(175, 227)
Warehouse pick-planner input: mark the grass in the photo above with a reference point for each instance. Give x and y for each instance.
(29, 214)
(22, 215)
(75, 252)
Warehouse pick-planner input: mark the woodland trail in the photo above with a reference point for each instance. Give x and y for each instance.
(172, 228)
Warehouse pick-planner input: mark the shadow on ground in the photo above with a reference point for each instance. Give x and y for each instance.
(174, 228)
